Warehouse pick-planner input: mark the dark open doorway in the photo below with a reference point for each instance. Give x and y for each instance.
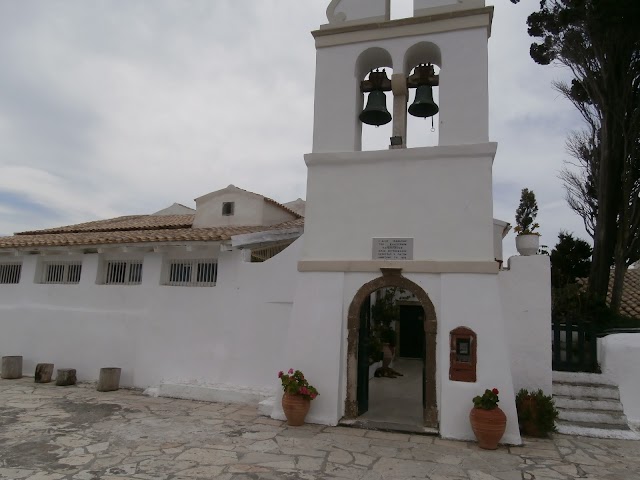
(411, 396)
(411, 331)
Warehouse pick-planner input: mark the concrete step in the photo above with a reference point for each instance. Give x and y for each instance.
(589, 390)
(581, 377)
(596, 430)
(593, 417)
(587, 404)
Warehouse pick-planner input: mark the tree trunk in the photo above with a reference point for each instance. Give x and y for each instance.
(618, 285)
(604, 238)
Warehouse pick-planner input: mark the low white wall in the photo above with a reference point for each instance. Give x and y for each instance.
(525, 293)
(619, 357)
(230, 334)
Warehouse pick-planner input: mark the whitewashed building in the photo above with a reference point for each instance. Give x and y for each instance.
(175, 299)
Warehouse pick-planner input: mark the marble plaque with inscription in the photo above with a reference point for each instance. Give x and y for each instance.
(393, 248)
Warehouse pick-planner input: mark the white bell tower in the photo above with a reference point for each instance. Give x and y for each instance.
(423, 214)
(439, 196)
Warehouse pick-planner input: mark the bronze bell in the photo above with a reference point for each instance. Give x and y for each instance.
(423, 105)
(376, 113)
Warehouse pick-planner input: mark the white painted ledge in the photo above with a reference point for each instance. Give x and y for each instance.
(407, 266)
(476, 150)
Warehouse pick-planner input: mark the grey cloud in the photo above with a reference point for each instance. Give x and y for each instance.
(142, 103)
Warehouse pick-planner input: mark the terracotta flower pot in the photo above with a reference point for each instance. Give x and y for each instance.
(488, 426)
(529, 426)
(295, 408)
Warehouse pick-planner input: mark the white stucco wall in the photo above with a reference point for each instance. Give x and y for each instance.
(248, 210)
(525, 294)
(272, 214)
(319, 317)
(232, 334)
(500, 229)
(470, 300)
(619, 357)
(443, 193)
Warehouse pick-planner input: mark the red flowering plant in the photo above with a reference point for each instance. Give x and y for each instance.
(294, 383)
(488, 401)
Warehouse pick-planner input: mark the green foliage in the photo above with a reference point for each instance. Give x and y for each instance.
(384, 312)
(570, 260)
(599, 42)
(526, 213)
(536, 413)
(572, 303)
(488, 400)
(294, 383)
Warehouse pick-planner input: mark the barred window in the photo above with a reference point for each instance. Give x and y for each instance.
(10, 273)
(61, 272)
(122, 272)
(191, 273)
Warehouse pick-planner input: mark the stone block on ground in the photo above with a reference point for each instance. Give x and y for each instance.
(11, 367)
(66, 377)
(44, 372)
(109, 380)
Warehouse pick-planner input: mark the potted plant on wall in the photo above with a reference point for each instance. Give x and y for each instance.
(528, 240)
(488, 421)
(297, 397)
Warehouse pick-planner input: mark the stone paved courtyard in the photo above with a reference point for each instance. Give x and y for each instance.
(49, 432)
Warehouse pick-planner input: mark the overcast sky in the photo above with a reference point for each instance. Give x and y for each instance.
(111, 107)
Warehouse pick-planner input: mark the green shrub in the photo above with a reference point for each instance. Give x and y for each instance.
(536, 413)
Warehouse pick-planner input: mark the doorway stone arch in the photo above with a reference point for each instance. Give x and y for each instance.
(392, 277)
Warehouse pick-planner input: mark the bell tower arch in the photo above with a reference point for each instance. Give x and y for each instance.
(450, 34)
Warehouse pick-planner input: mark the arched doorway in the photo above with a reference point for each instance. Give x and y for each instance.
(392, 278)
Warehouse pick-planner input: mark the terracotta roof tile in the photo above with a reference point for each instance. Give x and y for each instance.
(630, 305)
(130, 222)
(122, 236)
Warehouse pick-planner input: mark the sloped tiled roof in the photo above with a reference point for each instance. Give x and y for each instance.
(133, 229)
(630, 305)
(91, 235)
(130, 222)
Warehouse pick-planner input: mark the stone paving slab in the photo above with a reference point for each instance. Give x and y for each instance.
(76, 433)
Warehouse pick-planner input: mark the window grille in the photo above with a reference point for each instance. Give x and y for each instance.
(122, 272)
(10, 273)
(191, 273)
(61, 272)
(265, 253)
